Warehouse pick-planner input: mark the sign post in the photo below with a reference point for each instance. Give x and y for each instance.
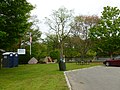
(30, 42)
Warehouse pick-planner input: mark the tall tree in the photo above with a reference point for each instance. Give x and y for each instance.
(14, 15)
(81, 25)
(107, 33)
(59, 23)
(80, 30)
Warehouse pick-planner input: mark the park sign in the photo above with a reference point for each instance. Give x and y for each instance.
(21, 51)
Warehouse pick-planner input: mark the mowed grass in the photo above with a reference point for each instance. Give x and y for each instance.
(36, 77)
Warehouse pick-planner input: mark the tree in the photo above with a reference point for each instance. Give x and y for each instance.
(59, 23)
(55, 54)
(35, 34)
(14, 15)
(52, 42)
(81, 25)
(37, 49)
(80, 31)
(106, 34)
(70, 47)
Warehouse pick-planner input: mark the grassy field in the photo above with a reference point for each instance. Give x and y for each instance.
(36, 77)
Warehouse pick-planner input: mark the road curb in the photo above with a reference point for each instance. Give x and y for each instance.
(67, 80)
(82, 69)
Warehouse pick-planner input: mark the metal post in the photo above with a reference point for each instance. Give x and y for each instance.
(30, 43)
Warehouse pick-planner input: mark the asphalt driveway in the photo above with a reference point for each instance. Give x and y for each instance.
(95, 78)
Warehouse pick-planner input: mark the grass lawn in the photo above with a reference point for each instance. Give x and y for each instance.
(36, 77)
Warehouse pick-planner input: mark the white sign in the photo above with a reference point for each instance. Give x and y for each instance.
(21, 51)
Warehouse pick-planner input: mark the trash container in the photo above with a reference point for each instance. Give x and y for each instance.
(8, 60)
(15, 58)
(62, 65)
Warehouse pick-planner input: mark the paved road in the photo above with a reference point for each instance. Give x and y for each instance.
(96, 78)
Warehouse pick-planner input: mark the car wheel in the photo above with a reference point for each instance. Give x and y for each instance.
(107, 64)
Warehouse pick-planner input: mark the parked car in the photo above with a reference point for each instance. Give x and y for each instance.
(112, 62)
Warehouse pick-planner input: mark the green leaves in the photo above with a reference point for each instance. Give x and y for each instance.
(108, 30)
(14, 15)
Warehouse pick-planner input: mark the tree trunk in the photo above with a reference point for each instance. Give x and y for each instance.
(111, 55)
(61, 50)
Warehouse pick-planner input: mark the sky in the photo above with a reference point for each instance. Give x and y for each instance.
(81, 7)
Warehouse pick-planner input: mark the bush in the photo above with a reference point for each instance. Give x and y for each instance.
(55, 54)
(23, 59)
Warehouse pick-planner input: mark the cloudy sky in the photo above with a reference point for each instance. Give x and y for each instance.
(44, 7)
(81, 7)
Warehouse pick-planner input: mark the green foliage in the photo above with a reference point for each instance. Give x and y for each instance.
(14, 15)
(70, 47)
(23, 59)
(55, 54)
(39, 50)
(106, 34)
(91, 53)
(71, 52)
(51, 42)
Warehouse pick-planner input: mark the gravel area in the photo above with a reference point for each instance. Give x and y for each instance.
(95, 78)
